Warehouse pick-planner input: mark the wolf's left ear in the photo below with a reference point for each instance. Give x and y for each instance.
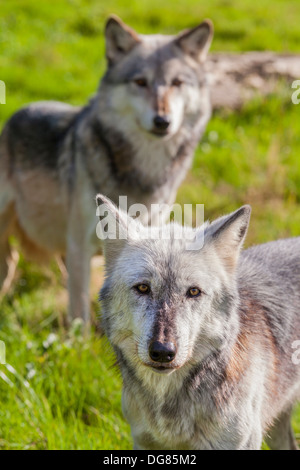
(227, 235)
(196, 41)
(120, 39)
(114, 228)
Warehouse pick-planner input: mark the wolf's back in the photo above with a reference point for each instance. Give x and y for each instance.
(34, 135)
(279, 258)
(269, 277)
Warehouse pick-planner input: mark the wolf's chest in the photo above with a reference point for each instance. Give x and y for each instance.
(173, 424)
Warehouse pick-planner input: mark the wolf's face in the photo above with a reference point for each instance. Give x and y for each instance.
(156, 82)
(165, 306)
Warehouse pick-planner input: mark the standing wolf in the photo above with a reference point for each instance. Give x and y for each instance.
(136, 137)
(204, 338)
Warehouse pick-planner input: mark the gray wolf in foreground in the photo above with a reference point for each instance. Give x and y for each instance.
(136, 137)
(204, 338)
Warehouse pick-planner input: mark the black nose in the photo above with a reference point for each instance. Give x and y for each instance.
(161, 122)
(162, 352)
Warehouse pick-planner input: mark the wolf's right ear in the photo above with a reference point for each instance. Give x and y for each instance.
(114, 228)
(120, 39)
(196, 41)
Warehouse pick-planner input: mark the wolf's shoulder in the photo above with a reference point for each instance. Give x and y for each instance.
(276, 259)
(35, 132)
(53, 115)
(279, 251)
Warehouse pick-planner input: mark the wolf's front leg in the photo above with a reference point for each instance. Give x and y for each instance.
(281, 435)
(254, 442)
(78, 266)
(78, 262)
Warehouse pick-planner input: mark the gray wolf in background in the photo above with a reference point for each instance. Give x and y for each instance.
(136, 137)
(204, 338)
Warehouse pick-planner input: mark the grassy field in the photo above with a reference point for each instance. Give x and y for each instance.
(60, 390)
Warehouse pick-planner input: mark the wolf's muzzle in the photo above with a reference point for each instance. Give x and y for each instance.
(162, 352)
(161, 124)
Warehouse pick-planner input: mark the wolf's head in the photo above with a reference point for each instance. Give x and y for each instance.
(156, 82)
(166, 306)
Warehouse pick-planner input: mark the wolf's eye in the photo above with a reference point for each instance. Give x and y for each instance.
(193, 292)
(142, 82)
(143, 288)
(177, 82)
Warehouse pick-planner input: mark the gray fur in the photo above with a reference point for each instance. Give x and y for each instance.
(233, 380)
(54, 158)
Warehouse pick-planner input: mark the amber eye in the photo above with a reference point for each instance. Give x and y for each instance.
(193, 292)
(142, 82)
(177, 82)
(143, 288)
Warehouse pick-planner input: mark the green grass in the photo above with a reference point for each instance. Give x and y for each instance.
(252, 157)
(66, 394)
(72, 402)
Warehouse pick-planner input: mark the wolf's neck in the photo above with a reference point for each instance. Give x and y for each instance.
(208, 380)
(140, 160)
(147, 162)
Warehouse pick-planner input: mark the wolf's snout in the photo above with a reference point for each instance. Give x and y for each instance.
(161, 123)
(162, 352)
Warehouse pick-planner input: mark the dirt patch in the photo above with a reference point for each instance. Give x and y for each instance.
(236, 78)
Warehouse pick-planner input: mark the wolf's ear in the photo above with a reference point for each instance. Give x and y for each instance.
(114, 228)
(227, 235)
(196, 41)
(120, 39)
